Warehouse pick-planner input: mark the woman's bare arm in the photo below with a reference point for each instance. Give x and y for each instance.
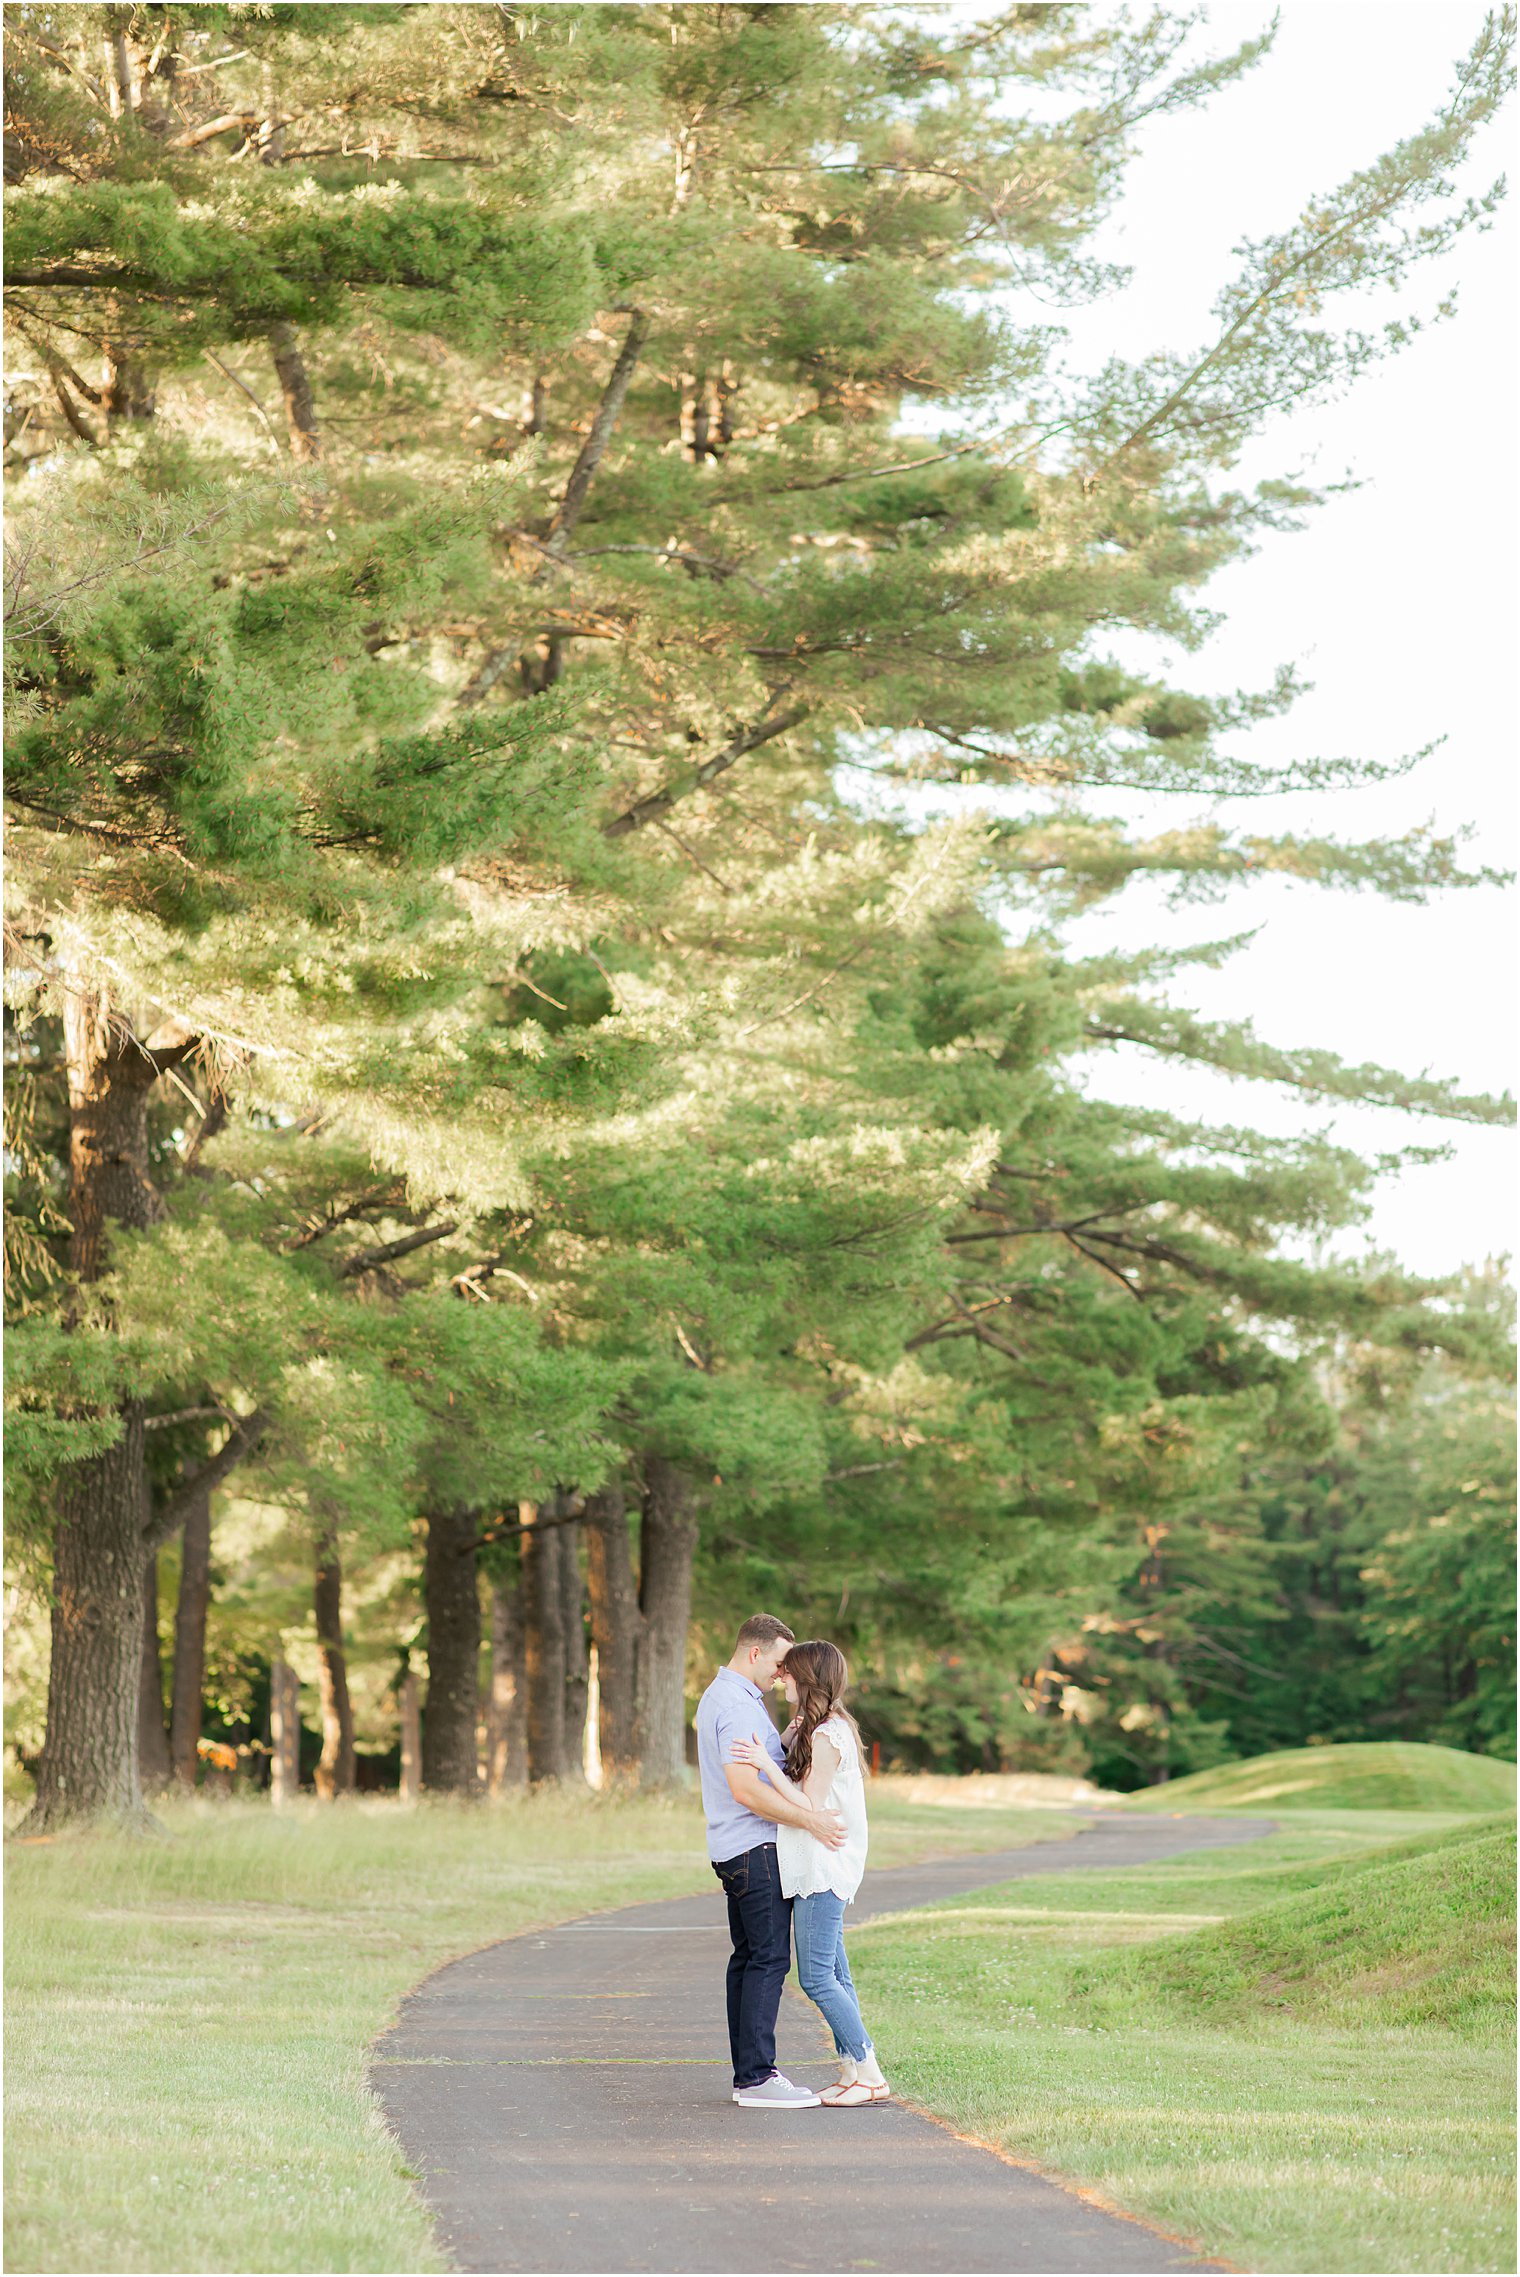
(821, 1770)
(813, 1789)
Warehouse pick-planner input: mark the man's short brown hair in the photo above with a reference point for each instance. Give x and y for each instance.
(763, 1629)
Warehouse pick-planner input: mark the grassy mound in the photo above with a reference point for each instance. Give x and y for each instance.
(1419, 1935)
(1391, 1775)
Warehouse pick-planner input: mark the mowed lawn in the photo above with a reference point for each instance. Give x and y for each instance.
(188, 2019)
(1298, 2054)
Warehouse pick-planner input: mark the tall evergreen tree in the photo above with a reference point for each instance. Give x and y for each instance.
(279, 826)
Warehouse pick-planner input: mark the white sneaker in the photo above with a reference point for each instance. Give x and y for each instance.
(776, 2094)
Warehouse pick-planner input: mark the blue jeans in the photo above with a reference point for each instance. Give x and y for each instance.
(824, 1973)
(759, 1926)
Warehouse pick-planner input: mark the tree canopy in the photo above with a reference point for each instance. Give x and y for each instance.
(500, 1048)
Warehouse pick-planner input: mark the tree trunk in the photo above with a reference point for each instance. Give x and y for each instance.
(617, 1627)
(284, 1733)
(190, 1641)
(453, 1613)
(411, 1736)
(541, 664)
(721, 390)
(336, 1771)
(295, 386)
(507, 1707)
(695, 417)
(121, 84)
(126, 391)
(271, 131)
(668, 1542)
(544, 1618)
(89, 1766)
(535, 408)
(577, 1661)
(152, 1735)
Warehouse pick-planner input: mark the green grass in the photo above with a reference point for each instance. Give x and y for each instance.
(1424, 1936)
(1387, 1775)
(1297, 2053)
(188, 2020)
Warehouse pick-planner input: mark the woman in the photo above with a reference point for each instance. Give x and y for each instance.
(823, 1766)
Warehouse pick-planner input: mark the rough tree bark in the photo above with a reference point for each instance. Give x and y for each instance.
(152, 1736)
(577, 1657)
(695, 417)
(544, 1621)
(127, 393)
(722, 388)
(668, 1542)
(453, 1613)
(190, 1641)
(89, 1765)
(617, 1628)
(295, 387)
(507, 1704)
(336, 1772)
(284, 1733)
(706, 413)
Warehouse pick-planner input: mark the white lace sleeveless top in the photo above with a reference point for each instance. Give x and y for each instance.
(805, 1866)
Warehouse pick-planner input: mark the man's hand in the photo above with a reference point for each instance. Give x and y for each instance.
(829, 1830)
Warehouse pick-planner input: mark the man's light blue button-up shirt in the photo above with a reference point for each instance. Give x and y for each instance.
(732, 1708)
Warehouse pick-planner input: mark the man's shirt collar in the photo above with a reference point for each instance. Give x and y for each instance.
(752, 1689)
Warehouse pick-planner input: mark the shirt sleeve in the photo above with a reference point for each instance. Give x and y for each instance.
(742, 1719)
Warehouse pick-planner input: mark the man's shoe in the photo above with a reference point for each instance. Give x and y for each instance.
(776, 2094)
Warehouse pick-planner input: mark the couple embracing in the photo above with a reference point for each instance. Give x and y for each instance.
(786, 1833)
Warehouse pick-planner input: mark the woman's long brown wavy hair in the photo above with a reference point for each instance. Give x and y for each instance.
(822, 1675)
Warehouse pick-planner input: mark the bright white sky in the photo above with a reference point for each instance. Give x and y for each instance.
(1398, 601)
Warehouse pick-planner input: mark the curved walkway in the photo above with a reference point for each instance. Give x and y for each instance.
(564, 2098)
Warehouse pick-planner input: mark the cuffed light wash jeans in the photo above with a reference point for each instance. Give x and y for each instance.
(824, 1973)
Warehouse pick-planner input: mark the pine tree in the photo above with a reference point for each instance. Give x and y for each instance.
(281, 830)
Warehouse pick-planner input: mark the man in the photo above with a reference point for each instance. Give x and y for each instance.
(743, 1812)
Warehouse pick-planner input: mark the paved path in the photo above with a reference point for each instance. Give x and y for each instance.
(565, 2099)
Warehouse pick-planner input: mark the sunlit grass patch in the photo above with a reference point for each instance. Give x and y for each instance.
(1111, 2035)
(1352, 1775)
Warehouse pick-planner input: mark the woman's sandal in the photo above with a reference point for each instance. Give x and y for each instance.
(853, 2095)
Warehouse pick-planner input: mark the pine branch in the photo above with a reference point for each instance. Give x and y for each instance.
(1237, 1051)
(213, 1120)
(241, 1441)
(509, 1533)
(387, 1251)
(319, 1229)
(577, 490)
(659, 803)
(230, 121)
(1014, 1232)
(74, 417)
(592, 451)
(242, 385)
(186, 1415)
(854, 474)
